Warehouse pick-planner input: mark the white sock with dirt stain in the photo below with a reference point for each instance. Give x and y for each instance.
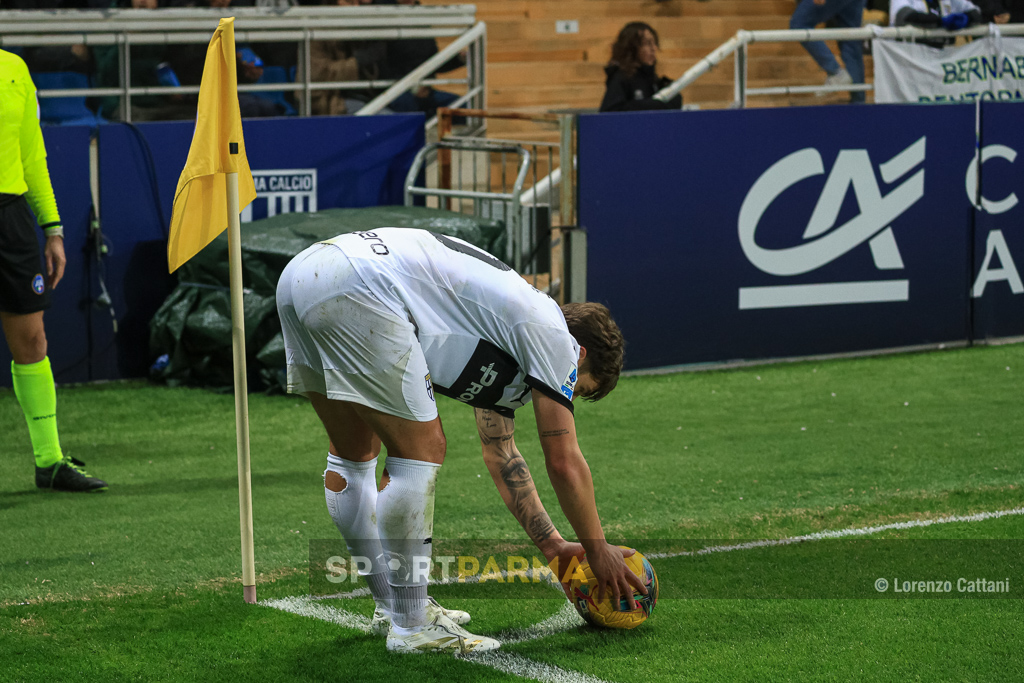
(351, 492)
(405, 521)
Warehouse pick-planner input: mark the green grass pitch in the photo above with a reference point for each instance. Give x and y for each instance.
(141, 583)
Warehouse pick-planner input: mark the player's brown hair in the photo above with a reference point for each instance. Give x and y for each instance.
(627, 46)
(592, 326)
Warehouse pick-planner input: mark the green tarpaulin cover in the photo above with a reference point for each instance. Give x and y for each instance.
(190, 335)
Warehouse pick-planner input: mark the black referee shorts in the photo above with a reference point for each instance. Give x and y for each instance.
(22, 280)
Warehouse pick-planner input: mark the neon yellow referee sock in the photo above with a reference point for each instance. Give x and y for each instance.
(33, 385)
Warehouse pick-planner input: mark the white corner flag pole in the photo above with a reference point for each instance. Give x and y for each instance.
(241, 390)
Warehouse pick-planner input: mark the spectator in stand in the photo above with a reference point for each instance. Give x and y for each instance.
(402, 56)
(845, 14)
(952, 15)
(186, 63)
(632, 79)
(1016, 9)
(149, 67)
(175, 65)
(1001, 11)
(332, 60)
(58, 58)
(338, 60)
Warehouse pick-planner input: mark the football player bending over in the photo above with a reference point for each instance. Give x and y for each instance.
(376, 322)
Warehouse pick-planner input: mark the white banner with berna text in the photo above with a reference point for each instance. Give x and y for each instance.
(991, 68)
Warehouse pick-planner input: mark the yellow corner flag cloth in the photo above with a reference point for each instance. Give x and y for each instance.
(200, 210)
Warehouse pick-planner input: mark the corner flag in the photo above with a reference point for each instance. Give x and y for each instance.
(200, 210)
(215, 185)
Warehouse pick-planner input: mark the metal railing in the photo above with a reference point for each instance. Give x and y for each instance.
(740, 43)
(301, 25)
(529, 185)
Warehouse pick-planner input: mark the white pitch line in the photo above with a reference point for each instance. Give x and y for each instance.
(518, 665)
(563, 620)
(567, 618)
(506, 662)
(308, 607)
(840, 533)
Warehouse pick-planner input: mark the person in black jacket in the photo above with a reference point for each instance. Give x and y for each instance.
(402, 56)
(1001, 11)
(632, 79)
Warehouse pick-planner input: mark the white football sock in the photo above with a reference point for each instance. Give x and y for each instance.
(354, 511)
(405, 521)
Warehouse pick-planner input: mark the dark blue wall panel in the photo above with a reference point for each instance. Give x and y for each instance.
(863, 205)
(999, 310)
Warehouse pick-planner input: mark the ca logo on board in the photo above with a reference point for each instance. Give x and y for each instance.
(824, 241)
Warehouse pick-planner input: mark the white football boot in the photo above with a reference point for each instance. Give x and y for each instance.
(440, 634)
(382, 621)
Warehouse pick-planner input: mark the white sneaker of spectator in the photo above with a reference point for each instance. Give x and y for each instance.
(841, 77)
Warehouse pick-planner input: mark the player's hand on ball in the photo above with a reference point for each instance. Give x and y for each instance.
(613, 576)
(560, 554)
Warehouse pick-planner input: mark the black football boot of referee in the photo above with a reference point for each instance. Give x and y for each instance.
(68, 475)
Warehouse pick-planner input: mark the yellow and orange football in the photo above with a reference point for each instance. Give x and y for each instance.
(583, 588)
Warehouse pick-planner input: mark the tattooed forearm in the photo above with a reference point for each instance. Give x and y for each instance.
(516, 474)
(512, 475)
(494, 429)
(540, 527)
(523, 501)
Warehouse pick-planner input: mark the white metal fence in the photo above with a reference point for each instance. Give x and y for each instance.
(738, 45)
(301, 25)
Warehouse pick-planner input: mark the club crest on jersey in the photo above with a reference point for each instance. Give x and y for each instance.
(569, 385)
(430, 387)
(38, 286)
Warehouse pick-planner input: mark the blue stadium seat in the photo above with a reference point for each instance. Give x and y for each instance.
(276, 74)
(67, 111)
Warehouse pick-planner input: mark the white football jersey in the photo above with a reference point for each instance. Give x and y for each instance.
(489, 337)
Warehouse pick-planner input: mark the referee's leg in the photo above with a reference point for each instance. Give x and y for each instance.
(34, 388)
(26, 336)
(33, 383)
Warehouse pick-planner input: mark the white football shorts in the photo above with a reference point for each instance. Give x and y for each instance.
(342, 342)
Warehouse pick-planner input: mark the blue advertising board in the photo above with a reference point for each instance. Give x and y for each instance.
(997, 288)
(298, 164)
(754, 234)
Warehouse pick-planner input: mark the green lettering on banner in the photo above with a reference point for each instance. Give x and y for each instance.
(948, 73)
